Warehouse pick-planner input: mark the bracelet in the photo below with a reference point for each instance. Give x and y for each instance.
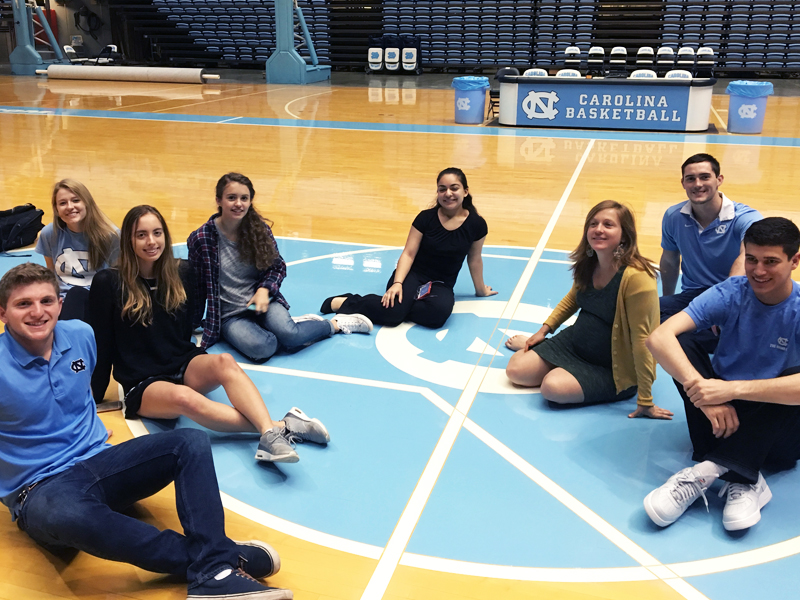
(400, 282)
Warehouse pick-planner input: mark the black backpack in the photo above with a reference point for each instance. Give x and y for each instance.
(19, 226)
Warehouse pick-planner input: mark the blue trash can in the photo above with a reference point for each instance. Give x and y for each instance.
(748, 105)
(470, 99)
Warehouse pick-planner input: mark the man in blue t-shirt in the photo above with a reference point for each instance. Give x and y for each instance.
(65, 486)
(742, 407)
(701, 239)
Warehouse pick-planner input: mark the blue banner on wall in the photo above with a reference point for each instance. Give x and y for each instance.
(637, 106)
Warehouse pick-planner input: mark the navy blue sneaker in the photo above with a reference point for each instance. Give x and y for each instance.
(258, 559)
(233, 584)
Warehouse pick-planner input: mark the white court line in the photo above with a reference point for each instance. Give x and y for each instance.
(299, 531)
(427, 393)
(721, 122)
(549, 574)
(558, 262)
(387, 565)
(516, 295)
(286, 106)
(228, 120)
(343, 253)
(617, 538)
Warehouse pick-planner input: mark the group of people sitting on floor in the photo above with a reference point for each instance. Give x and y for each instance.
(64, 484)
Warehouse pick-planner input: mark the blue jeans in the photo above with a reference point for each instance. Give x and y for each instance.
(260, 336)
(79, 508)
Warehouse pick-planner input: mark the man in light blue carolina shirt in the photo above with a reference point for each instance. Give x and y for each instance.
(701, 239)
(742, 407)
(66, 487)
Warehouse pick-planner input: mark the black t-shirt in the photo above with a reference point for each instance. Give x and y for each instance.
(135, 351)
(441, 252)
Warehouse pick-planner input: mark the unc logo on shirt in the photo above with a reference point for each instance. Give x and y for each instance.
(78, 365)
(783, 344)
(721, 229)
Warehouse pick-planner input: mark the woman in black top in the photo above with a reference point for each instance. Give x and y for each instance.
(141, 313)
(421, 288)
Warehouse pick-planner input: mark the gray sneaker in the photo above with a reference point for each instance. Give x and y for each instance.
(354, 323)
(302, 428)
(274, 447)
(308, 317)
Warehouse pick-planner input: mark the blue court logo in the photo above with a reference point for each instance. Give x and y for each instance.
(424, 354)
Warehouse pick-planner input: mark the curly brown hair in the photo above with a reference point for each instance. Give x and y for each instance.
(255, 246)
(583, 265)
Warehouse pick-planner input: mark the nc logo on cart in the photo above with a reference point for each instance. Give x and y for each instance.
(747, 111)
(539, 105)
(462, 103)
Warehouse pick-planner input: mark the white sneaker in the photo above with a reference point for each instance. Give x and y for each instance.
(744, 503)
(665, 504)
(308, 317)
(354, 323)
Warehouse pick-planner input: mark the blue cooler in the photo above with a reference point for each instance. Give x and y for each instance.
(470, 99)
(748, 105)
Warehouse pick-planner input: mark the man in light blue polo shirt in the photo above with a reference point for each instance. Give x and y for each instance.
(742, 407)
(65, 486)
(701, 239)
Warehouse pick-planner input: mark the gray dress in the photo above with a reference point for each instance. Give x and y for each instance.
(584, 349)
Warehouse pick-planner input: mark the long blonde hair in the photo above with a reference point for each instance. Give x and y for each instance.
(583, 265)
(136, 304)
(97, 227)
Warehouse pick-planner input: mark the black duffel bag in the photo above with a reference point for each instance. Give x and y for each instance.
(19, 226)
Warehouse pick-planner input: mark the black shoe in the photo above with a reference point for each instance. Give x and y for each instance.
(258, 559)
(326, 309)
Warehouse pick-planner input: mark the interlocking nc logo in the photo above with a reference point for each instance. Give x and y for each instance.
(747, 111)
(782, 341)
(462, 103)
(721, 228)
(535, 107)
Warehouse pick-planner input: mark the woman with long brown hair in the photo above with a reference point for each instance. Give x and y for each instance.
(239, 273)
(80, 241)
(141, 316)
(602, 357)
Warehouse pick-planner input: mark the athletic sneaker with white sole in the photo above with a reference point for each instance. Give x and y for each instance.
(665, 504)
(235, 584)
(258, 559)
(274, 447)
(308, 317)
(354, 323)
(744, 503)
(302, 428)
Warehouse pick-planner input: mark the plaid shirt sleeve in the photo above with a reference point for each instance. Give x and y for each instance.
(204, 258)
(275, 274)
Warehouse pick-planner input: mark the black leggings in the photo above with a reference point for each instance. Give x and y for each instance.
(431, 311)
(768, 434)
(75, 303)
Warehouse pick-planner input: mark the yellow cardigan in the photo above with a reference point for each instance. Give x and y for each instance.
(636, 317)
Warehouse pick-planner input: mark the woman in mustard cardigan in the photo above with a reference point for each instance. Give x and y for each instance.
(602, 357)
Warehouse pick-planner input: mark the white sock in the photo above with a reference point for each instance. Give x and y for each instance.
(708, 469)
